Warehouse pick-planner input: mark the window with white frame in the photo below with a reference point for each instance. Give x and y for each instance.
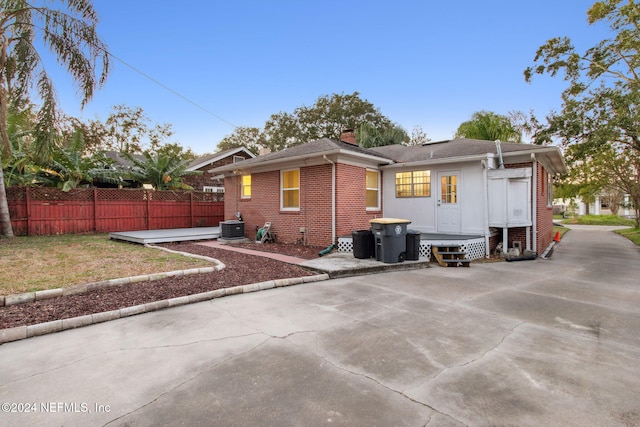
(373, 189)
(210, 189)
(413, 184)
(549, 189)
(290, 189)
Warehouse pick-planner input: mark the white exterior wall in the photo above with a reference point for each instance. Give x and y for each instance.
(422, 211)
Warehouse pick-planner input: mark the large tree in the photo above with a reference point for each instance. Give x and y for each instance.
(600, 104)
(69, 31)
(327, 118)
(249, 137)
(489, 126)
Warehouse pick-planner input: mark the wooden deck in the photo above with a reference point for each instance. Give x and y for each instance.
(167, 235)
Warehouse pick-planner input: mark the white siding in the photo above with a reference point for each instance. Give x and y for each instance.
(421, 211)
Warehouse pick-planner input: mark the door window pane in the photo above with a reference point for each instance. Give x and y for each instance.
(449, 189)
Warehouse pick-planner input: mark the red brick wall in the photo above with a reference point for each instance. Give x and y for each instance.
(315, 204)
(351, 212)
(544, 213)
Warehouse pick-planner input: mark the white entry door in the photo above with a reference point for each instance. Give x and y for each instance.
(448, 211)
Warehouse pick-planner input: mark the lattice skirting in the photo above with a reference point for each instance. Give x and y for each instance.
(475, 248)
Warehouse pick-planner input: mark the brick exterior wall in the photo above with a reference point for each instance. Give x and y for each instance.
(351, 210)
(315, 204)
(544, 213)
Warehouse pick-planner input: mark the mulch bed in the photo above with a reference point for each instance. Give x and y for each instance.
(241, 269)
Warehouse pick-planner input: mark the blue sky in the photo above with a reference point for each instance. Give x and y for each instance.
(426, 63)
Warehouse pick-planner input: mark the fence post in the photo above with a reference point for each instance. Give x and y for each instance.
(28, 203)
(148, 194)
(95, 210)
(191, 208)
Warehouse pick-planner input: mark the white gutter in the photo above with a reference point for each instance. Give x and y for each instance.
(458, 159)
(333, 199)
(485, 189)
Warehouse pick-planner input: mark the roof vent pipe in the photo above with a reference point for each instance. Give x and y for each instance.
(499, 150)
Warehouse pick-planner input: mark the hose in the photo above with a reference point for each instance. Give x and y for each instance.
(326, 250)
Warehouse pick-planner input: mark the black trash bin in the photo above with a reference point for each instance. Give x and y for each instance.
(390, 237)
(413, 245)
(363, 246)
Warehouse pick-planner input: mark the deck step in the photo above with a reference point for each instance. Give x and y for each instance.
(450, 256)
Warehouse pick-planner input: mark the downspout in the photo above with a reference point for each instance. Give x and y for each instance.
(499, 151)
(485, 189)
(534, 215)
(333, 199)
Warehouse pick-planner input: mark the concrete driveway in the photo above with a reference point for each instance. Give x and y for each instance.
(529, 343)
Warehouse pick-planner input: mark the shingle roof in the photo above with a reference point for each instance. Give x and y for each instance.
(448, 149)
(310, 149)
(457, 148)
(464, 149)
(314, 147)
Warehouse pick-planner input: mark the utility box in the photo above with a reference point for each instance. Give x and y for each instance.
(232, 229)
(390, 238)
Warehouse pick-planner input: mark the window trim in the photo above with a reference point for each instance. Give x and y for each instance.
(282, 190)
(377, 189)
(549, 189)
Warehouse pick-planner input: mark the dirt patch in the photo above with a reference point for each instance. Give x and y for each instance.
(240, 270)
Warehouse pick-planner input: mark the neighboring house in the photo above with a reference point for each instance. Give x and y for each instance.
(316, 192)
(602, 205)
(214, 182)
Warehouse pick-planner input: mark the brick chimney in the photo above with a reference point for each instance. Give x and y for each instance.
(348, 136)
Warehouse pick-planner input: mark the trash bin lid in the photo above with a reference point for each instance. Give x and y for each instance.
(389, 221)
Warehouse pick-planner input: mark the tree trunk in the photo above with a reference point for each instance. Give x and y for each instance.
(5, 146)
(5, 218)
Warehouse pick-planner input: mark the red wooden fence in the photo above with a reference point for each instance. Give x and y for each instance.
(44, 211)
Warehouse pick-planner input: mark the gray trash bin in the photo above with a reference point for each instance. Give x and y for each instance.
(413, 245)
(390, 237)
(363, 246)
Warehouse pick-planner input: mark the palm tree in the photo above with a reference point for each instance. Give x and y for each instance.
(163, 171)
(369, 135)
(489, 126)
(70, 33)
(70, 168)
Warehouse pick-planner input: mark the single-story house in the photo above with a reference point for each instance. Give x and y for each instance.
(214, 182)
(321, 191)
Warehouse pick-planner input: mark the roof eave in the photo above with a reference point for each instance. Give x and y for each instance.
(443, 160)
(222, 156)
(269, 164)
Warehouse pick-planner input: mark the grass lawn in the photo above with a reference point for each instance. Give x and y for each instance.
(632, 234)
(45, 262)
(599, 220)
